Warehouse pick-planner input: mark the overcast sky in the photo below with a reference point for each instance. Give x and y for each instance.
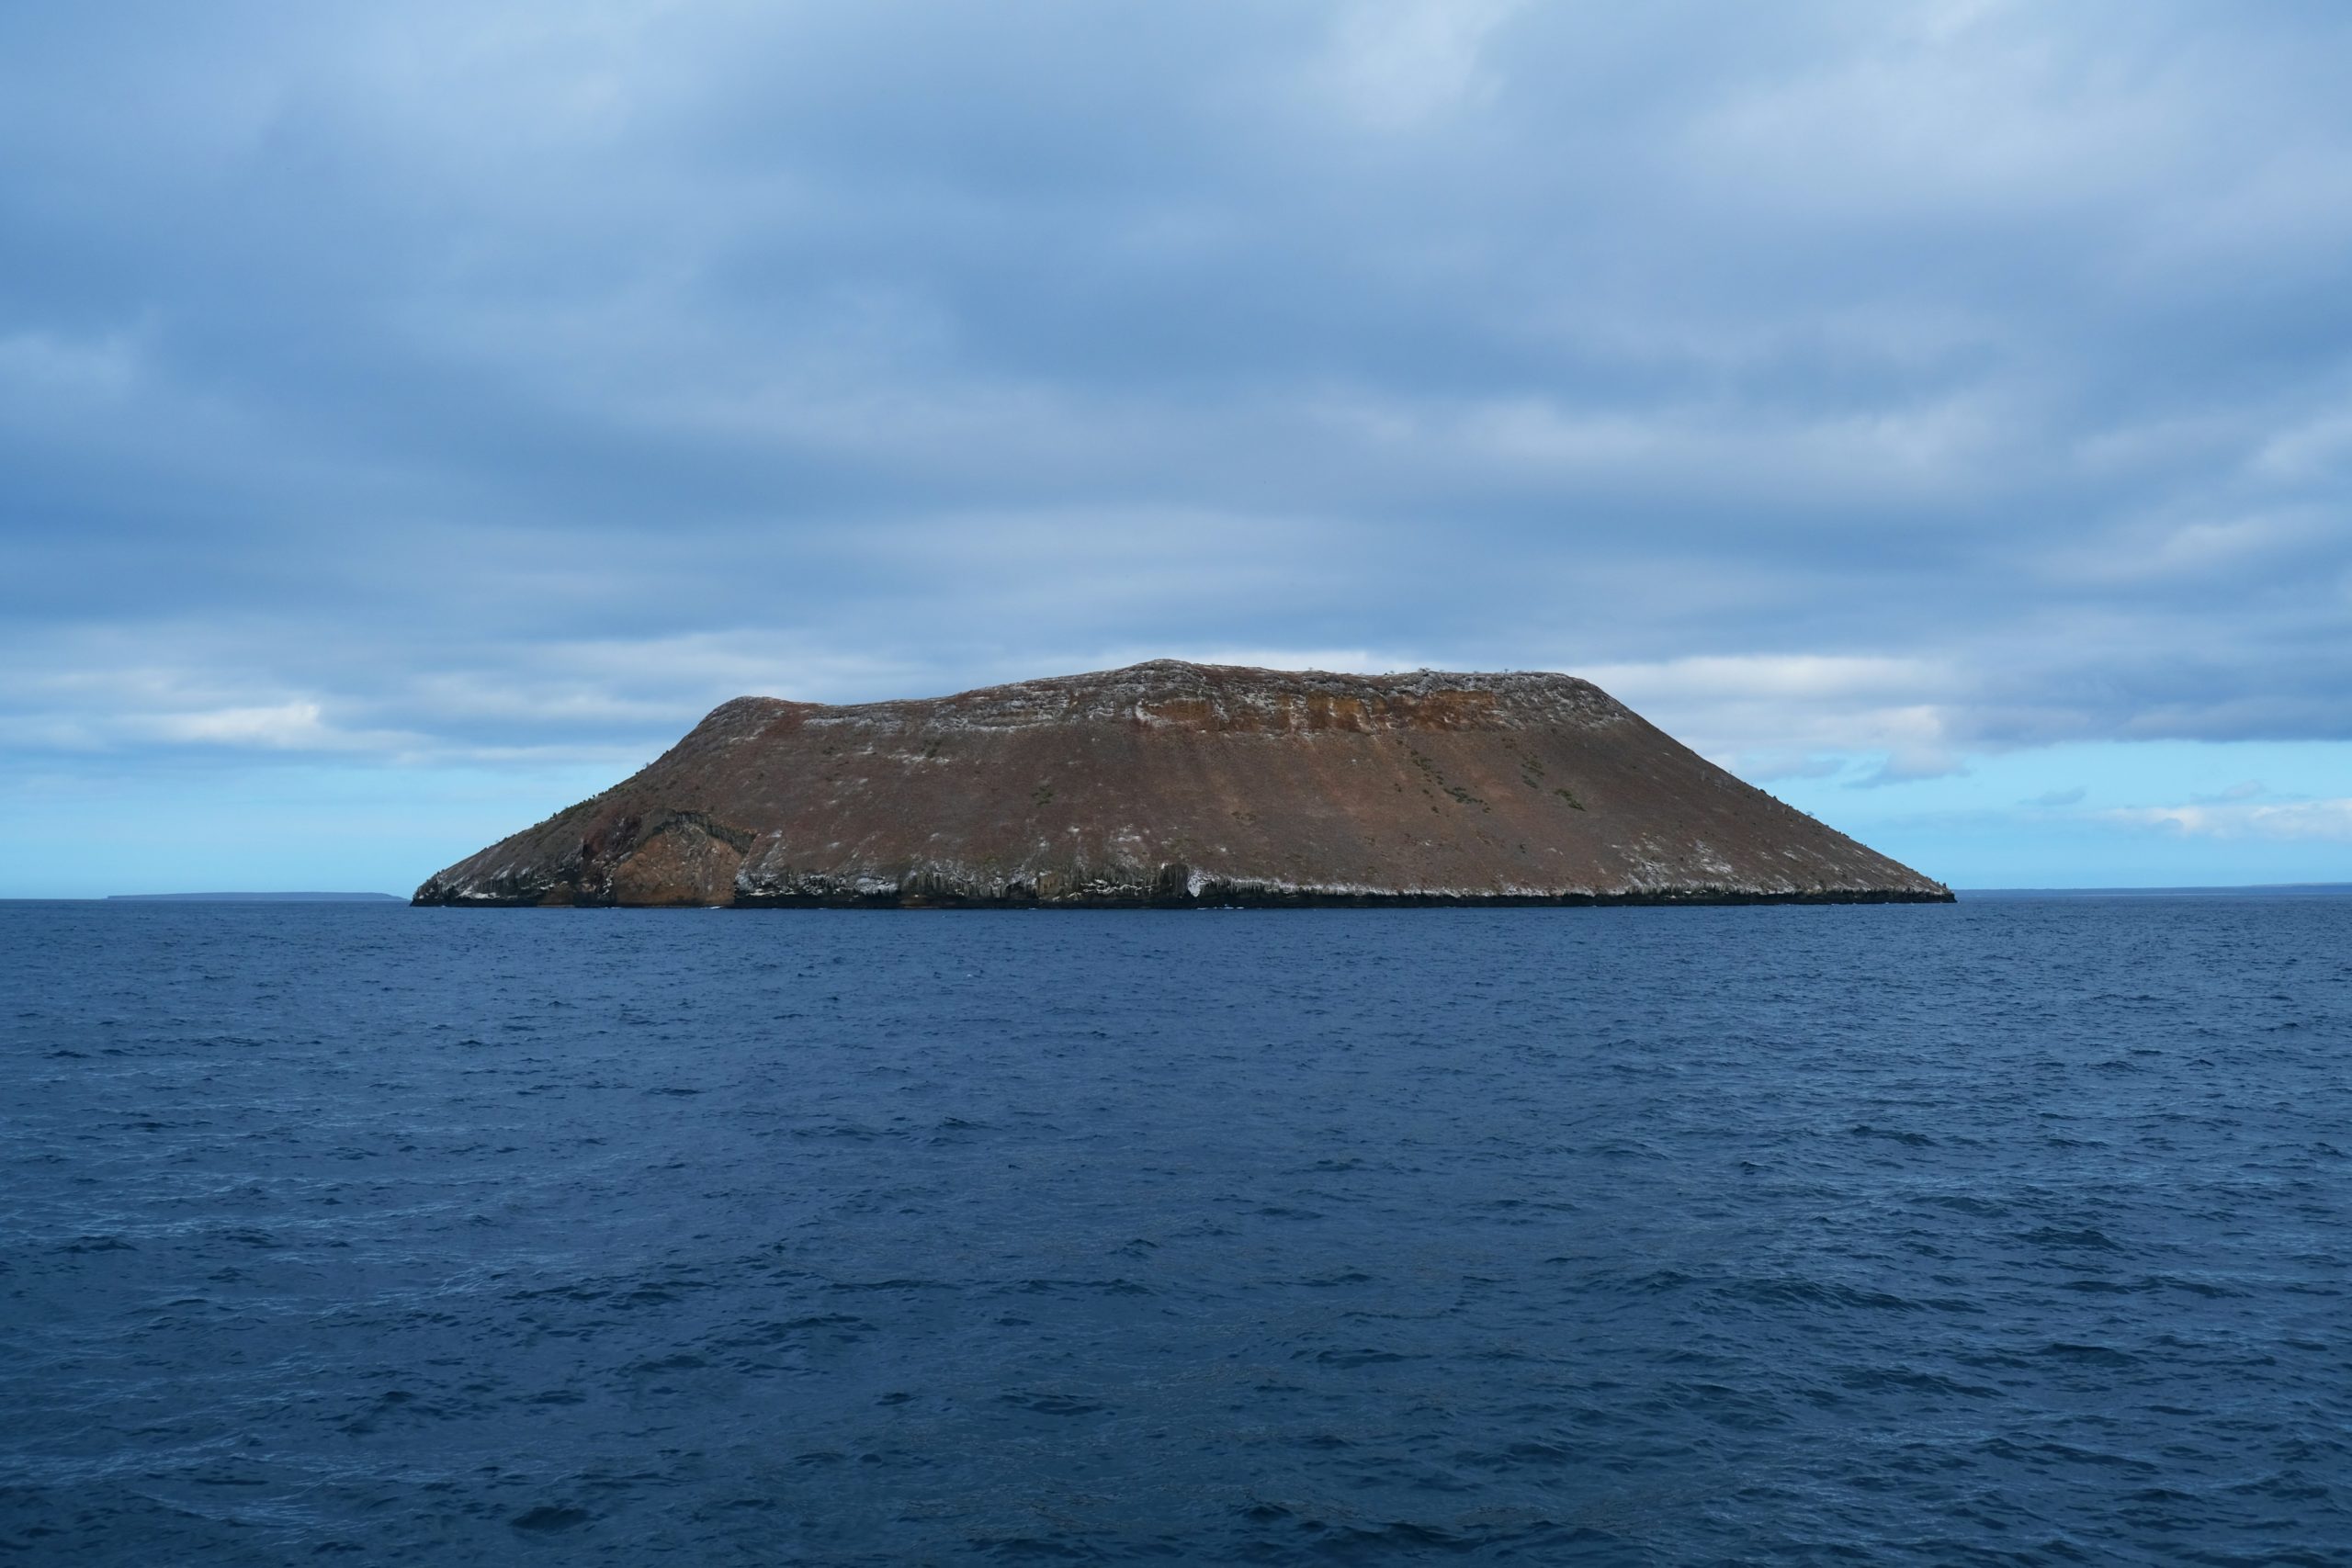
(413, 418)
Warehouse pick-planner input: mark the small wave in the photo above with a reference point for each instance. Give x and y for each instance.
(1892, 1134)
(2089, 1355)
(2081, 1237)
(548, 1519)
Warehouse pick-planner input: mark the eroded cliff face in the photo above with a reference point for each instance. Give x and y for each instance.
(1174, 784)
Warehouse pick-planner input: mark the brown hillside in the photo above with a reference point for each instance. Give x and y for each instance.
(1181, 784)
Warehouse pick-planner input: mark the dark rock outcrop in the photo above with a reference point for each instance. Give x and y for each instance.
(1174, 784)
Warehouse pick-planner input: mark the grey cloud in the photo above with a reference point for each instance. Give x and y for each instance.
(541, 375)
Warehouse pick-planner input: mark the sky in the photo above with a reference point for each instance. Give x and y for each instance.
(414, 418)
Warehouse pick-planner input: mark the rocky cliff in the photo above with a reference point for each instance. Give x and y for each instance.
(1174, 784)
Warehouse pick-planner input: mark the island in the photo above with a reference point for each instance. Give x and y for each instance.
(1177, 784)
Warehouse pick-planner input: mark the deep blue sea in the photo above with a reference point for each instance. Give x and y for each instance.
(2014, 1232)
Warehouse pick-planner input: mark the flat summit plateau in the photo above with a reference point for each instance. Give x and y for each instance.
(1176, 783)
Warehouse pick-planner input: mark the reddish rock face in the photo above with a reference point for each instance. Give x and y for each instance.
(1174, 784)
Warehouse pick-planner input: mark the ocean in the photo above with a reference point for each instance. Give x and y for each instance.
(2017, 1231)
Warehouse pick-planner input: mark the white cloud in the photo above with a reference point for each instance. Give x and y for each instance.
(1775, 675)
(1896, 453)
(37, 369)
(2312, 448)
(1395, 65)
(2328, 820)
(287, 725)
(1771, 715)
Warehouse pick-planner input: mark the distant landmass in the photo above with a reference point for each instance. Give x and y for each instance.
(1171, 784)
(253, 897)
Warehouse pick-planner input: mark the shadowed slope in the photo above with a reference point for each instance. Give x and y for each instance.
(1171, 783)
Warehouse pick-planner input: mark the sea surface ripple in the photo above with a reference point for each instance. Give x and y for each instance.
(2015, 1232)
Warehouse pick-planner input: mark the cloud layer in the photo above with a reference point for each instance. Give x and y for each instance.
(466, 382)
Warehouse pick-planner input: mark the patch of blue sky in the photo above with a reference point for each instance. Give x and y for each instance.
(2104, 814)
(230, 827)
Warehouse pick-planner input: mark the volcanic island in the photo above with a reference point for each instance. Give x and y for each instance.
(1172, 784)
